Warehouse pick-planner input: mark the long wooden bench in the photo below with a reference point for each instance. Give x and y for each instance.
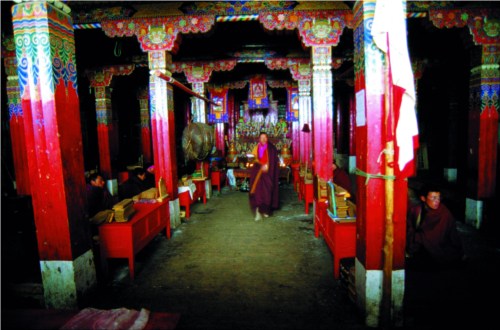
(126, 239)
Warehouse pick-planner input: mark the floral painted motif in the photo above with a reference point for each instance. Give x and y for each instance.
(34, 48)
(483, 23)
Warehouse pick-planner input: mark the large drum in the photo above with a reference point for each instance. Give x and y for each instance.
(197, 141)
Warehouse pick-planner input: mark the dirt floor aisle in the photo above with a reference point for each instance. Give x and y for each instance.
(223, 270)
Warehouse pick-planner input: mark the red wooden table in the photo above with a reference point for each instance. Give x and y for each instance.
(339, 234)
(126, 239)
(218, 178)
(185, 199)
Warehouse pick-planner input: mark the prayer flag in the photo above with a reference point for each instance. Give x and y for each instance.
(389, 35)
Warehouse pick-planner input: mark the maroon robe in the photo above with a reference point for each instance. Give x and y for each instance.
(436, 236)
(266, 193)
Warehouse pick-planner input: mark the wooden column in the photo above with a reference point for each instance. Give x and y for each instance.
(143, 97)
(53, 140)
(198, 105)
(105, 130)
(16, 122)
(292, 94)
(232, 112)
(483, 132)
(218, 115)
(219, 138)
(352, 133)
(322, 121)
(305, 115)
(163, 122)
(379, 292)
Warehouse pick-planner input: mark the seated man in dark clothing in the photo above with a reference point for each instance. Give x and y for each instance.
(134, 185)
(432, 238)
(149, 181)
(98, 196)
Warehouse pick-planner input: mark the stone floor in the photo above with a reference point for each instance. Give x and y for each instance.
(223, 270)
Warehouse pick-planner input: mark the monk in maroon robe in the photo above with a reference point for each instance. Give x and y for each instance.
(432, 237)
(264, 179)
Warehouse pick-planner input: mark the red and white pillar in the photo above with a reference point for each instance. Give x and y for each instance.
(198, 105)
(322, 121)
(53, 141)
(107, 134)
(483, 132)
(305, 118)
(143, 97)
(371, 195)
(16, 121)
(163, 130)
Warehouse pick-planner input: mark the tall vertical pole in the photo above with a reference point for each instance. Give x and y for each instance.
(54, 147)
(322, 112)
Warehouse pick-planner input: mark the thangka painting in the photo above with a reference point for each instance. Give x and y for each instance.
(257, 94)
(218, 113)
(293, 106)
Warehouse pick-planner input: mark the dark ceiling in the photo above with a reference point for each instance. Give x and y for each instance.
(94, 49)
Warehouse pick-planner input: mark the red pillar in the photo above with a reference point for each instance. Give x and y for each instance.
(352, 125)
(143, 97)
(483, 132)
(219, 139)
(105, 130)
(371, 194)
(54, 148)
(323, 112)
(293, 117)
(232, 117)
(305, 121)
(483, 125)
(163, 123)
(16, 122)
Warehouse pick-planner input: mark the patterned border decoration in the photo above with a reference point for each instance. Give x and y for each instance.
(200, 71)
(10, 64)
(8, 46)
(300, 69)
(103, 77)
(276, 63)
(483, 23)
(230, 85)
(100, 14)
(317, 28)
(158, 33)
(250, 54)
(13, 99)
(235, 7)
(281, 84)
(34, 44)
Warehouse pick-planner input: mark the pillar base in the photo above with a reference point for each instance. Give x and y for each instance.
(473, 212)
(68, 284)
(450, 175)
(352, 164)
(369, 290)
(208, 188)
(175, 213)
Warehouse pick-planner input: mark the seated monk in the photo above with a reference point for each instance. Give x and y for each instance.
(432, 237)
